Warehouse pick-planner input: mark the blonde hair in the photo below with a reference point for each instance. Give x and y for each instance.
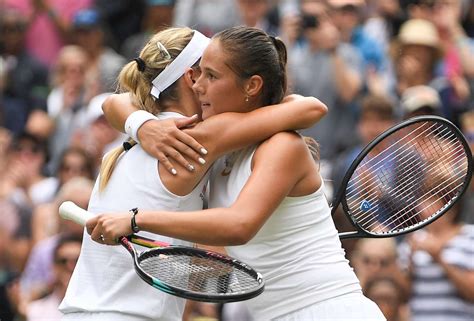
(137, 82)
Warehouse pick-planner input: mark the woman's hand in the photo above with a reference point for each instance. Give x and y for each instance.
(163, 139)
(107, 228)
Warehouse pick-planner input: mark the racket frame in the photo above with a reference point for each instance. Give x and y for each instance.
(164, 248)
(340, 199)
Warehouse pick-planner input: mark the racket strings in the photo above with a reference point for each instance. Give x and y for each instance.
(406, 160)
(389, 154)
(413, 190)
(200, 274)
(408, 192)
(403, 164)
(402, 186)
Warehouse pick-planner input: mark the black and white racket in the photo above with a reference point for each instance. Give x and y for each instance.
(186, 272)
(406, 178)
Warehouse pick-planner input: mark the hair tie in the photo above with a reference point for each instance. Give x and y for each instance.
(127, 146)
(140, 64)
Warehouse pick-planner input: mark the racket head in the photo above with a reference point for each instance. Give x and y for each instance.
(198, 275)
(406, 178)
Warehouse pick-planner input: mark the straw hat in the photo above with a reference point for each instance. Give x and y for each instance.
(417, 32)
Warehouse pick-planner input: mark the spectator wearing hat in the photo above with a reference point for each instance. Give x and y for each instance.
(416, 52)
(420, 100)
(88, 32)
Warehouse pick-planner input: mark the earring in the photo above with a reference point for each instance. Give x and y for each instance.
(246, 99)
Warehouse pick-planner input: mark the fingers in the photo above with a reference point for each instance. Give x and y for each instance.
(187, 121)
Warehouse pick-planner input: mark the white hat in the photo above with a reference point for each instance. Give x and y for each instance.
(416, 97)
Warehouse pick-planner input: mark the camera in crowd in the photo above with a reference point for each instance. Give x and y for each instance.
(309, 21)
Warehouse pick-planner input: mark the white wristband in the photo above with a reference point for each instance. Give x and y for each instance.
(135, 121)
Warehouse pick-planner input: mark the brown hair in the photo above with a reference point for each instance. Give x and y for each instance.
(253, 52)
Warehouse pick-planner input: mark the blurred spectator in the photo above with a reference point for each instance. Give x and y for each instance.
(348, 16)
(384, 22)
(440, 269)
(49, 23)
(104, 64)
(121, 18)
(376, 257)
(26, 171)
(322, 66)
(377, 115)
(416, 52)
(65, 255)
(207, 16)
(388, 295)
(38, 276)
(420, 100)
(258, 14)
(75, 162)
(419, 9)
(68, 100)
(457, 66)
(158, 15)
(25, 79)
(467, 126)
(98, 136)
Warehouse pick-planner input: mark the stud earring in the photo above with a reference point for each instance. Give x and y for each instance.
(246, 99)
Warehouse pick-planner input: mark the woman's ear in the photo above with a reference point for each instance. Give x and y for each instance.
(254, 86)
(190, 77)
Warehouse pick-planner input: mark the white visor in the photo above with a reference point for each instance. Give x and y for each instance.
(186, 59)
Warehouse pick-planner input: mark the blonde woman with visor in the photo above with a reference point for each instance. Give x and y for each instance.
(104, 285)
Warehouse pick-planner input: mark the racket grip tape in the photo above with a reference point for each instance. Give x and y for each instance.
(70, 211)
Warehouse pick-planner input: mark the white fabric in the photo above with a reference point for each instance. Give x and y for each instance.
(135, 120)
(349, 307)
(186, 59)
(104, 281)
(297, 250)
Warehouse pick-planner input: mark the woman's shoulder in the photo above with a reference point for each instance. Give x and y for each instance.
(284, 145)
(288, 139)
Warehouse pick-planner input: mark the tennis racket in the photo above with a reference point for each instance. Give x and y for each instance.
(406, 178)
(184, 271)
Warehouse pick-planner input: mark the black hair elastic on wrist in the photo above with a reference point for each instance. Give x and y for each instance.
(140, 64)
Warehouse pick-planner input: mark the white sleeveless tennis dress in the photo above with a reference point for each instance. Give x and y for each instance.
(298, 253)
(104, 285)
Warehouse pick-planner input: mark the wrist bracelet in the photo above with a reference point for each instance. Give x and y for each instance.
(133, 222)
(135, 121)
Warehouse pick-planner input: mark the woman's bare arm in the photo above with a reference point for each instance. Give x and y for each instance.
(226, 226)
(238, 130)
(161, 138)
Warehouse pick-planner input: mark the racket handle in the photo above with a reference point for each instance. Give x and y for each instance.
(70, 211)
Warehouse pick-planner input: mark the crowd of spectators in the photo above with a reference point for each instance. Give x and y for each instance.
(373, 63)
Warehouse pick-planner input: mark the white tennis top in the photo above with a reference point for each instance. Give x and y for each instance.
(104, 280)
(297, 250)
